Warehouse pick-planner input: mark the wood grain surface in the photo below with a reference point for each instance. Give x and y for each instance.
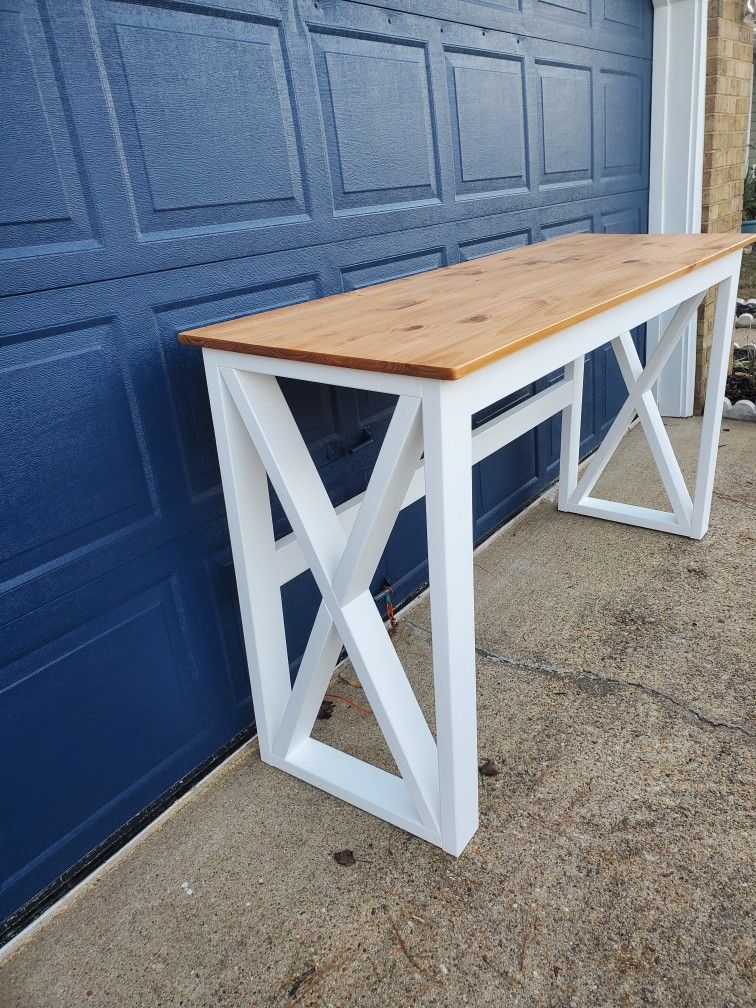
(451, 321)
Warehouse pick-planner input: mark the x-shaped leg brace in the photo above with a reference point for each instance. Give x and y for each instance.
(342, 567)
(689, 516)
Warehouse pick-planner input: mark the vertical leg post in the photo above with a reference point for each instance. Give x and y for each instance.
(724, 313)
(570, 449)
(448, 489)
(245, 488)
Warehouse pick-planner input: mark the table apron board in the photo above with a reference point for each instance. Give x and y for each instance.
(429, 450)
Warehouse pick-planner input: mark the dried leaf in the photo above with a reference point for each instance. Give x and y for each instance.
(345, 858)
(326, 710)
(489, 769)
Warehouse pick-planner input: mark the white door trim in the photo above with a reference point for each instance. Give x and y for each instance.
(678, 92)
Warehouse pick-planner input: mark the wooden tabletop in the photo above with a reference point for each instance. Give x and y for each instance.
(451, 321)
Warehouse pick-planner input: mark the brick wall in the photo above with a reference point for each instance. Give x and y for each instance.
(729, 63)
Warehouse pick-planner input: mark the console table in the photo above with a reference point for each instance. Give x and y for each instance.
(447, 343)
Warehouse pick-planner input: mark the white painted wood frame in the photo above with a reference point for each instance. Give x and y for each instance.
(429, 451)
(678, 92)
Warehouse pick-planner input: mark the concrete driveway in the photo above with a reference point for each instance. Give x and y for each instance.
(613, 865)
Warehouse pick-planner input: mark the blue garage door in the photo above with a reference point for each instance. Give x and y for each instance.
(166, 165)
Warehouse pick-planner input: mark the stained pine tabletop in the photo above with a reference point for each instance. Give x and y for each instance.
(451, 321)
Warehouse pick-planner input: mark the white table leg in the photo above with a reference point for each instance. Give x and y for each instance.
(569, 457)
(724, 314)
(448, 506)
(245, 488)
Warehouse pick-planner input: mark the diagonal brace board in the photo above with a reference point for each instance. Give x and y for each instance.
(342, 569)
(391, 475)
(655, 431)
(642, 385)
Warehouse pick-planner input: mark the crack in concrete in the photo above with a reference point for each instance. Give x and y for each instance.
(543, 668)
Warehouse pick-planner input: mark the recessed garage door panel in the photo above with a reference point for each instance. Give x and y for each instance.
(191, 162)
